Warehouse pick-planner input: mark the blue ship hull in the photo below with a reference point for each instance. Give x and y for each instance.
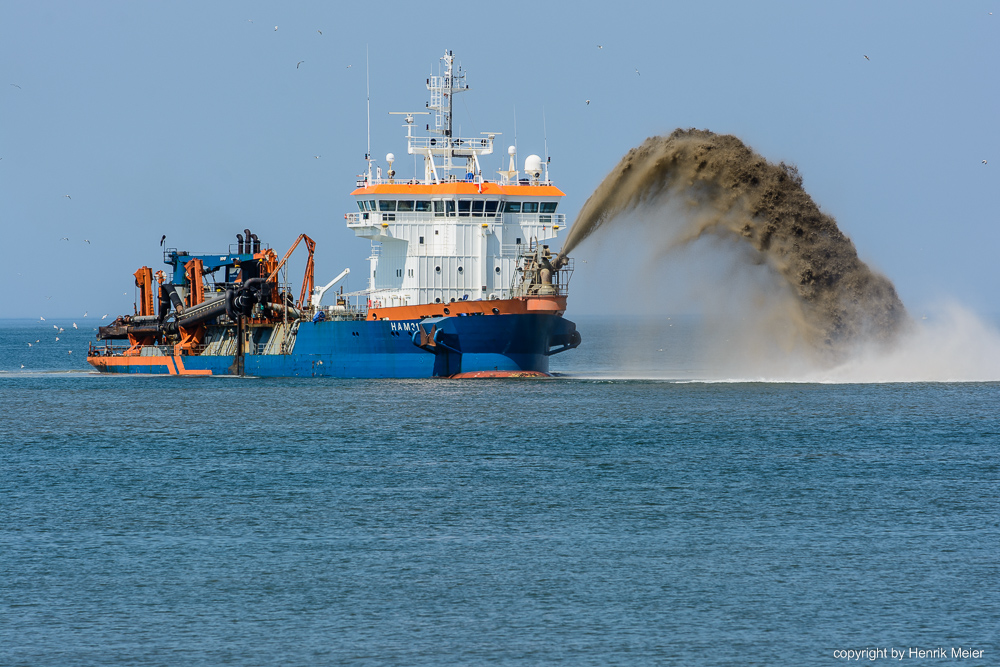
(434, 347)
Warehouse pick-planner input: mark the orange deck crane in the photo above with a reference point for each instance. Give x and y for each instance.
(307, 280)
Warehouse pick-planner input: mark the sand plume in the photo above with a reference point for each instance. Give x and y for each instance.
(725, 189)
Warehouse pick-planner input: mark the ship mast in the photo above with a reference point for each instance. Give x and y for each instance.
(446, 153)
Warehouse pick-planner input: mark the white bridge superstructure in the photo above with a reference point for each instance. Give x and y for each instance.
(452, 235)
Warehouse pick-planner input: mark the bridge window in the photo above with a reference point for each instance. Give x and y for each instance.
(371, 205)
(464, 206)
(449, 207)
(421, 240)
(477, 208)
(422, 206)
(547, 207)
(361, 205)
(491, 207)
(438, 208)
(386, 205)
(404, 206)
(512, 207)
(529, 207)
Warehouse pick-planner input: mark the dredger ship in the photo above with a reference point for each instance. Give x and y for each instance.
(462, 281)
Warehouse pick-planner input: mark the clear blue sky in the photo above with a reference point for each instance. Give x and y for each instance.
(190, 119)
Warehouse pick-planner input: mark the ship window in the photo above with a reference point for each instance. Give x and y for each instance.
(399, 273)
(518, 240)
(437, 269)
(477, 208)
(529, 207)
(491, 207)
(460, 269)
(371, 205)
(421, 240)
(404, 206)
(449, 206)
(422, 206)
(361, 206)
(464, 206)
(438, 208)
(497, 269)
(548, 207)
(386, 205)
(409, 272)
(512, 207)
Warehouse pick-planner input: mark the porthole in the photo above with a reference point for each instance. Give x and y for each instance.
(460, 269)
(496, 311)
(447, 311)
(497, 269)
(437, 269)
(437, 300)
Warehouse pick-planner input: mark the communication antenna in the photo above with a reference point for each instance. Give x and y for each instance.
(545, 143)
(368, 97)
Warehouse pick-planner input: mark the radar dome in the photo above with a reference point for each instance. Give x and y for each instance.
(389, 157)
(511, 150)
(533, 165)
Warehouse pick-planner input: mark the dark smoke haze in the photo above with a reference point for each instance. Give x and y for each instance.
(727, 190)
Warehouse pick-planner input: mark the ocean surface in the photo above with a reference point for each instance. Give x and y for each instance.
(591, 519)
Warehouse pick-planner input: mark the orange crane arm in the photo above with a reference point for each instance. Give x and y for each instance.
(307, 280)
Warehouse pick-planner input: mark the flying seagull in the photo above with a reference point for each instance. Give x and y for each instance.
(348, 67)
(299, 63)
(867, 58)
(104, 315)
(588, 102)
(599, 46)
(275, 27)
(637, 72)
(67, 196)
(74, 326)
(320, 31)
(88, 241)
(65, 238)
(984, 161)
(42, 319)
(317, 157)
(17, 86)
(162, 239)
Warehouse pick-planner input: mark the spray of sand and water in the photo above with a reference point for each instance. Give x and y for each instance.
(711, 185)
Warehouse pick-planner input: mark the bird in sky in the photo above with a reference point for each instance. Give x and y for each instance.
(299, 63)
(275, 27)
(55, 326)
(162, 239)
(22, 365)
(74, 326)
(61, 330)
(984, 161)
(67, 196)
(71, 351)
(104, 315)
(867, 58)
(320, 31)
(348, 67)
(65, 238)
(85, 313)
(599, 46)
(249, 20)
(57, 337)
(17, 86)
(637, 72)
(588, 102)
(87, 241)
(316, 156)
(29, 344)
(42, 319)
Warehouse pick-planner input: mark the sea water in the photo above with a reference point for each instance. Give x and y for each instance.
(584, 520)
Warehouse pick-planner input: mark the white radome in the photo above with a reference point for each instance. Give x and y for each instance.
(533, 165)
